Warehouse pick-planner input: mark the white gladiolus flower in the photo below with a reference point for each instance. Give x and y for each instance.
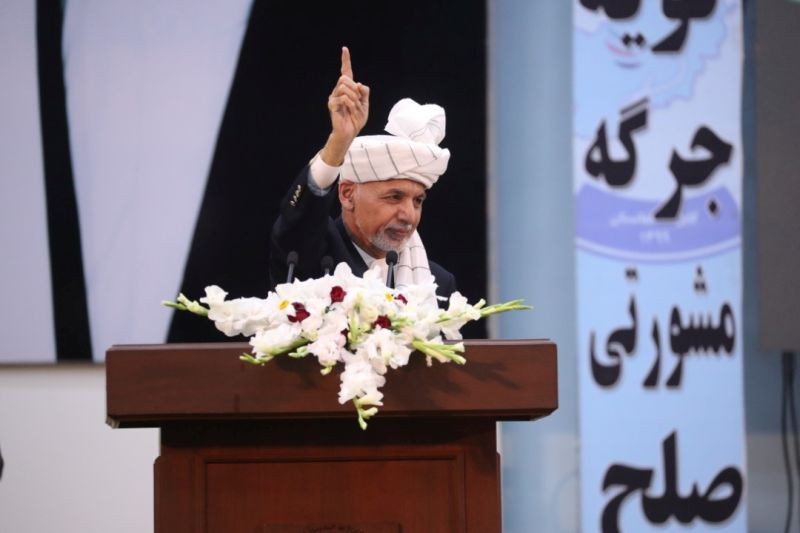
(343, 318)
(373, 397)
(375, 349)
(242, 316)
(458, 313)
(459, 306)
(367, 312)
(359, 379)
(383, 349)
(328, 348)
(311, 325)
(214, 295)
(270, 342)
(400, 356)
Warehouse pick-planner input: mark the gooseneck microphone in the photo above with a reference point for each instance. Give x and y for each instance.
(391, 261)
(291, 261)
(327, 265)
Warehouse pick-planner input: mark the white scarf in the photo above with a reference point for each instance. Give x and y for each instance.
(412, 264)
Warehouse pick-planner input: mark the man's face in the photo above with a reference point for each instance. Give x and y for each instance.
(381, 215)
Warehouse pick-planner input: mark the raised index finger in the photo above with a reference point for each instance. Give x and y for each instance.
(347, 68)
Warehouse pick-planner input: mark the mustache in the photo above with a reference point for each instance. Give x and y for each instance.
(399, 227)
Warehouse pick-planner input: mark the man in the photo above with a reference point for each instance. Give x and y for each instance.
(382, 190)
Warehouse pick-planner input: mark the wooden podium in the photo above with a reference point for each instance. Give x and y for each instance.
(270, 450)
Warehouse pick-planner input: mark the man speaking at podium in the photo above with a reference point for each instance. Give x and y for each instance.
(383, 184)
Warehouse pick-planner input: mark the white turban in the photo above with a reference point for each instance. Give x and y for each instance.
(411, 151)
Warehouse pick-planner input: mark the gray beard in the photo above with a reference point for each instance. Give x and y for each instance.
(384, 243)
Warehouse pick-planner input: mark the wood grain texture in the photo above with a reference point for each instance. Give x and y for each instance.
(249, 449)
(149, 385)
(421, 475)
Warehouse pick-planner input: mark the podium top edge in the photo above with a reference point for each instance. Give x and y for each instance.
(245, 346)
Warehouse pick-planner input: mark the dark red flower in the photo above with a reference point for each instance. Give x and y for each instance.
(300, 313)
(383, 322)
(401, 298)
(337, 294)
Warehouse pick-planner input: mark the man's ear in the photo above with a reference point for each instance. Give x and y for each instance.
(347, 189)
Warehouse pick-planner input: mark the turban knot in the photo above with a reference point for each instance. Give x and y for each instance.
(411, 151)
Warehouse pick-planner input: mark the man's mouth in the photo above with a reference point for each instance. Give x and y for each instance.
(397, 233)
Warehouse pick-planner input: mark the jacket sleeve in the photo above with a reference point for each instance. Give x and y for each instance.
(301, 227)
(445, 282)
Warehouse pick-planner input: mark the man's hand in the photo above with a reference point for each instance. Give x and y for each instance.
(348, 105)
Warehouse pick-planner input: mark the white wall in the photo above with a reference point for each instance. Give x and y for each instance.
(65, 469)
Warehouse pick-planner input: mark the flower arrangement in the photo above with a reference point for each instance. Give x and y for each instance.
(343, 318)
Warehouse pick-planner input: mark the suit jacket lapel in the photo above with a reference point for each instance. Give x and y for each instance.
(355, 260)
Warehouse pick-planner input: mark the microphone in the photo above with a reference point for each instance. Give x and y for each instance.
(391, 261)
(291, 262)
(327, 265)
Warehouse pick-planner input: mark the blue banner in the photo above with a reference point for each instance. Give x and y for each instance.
(658, 184)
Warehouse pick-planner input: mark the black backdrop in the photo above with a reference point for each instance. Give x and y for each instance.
(276, 119)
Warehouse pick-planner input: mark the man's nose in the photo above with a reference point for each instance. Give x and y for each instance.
(406, 211)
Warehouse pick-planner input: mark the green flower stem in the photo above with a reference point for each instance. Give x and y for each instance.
(185, 304)
(296, 349)
(356, 330)
(513, 305)
(258, 361)
(364, 414)
(300, 352)
(398, 323)
(441, 352)
(301, 341)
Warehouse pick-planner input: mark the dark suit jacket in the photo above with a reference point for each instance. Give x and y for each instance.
(305, 226)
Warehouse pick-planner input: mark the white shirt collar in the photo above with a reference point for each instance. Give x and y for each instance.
(372, 261)
(368, 259)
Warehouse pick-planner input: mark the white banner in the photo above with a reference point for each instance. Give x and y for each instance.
(658, 181)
